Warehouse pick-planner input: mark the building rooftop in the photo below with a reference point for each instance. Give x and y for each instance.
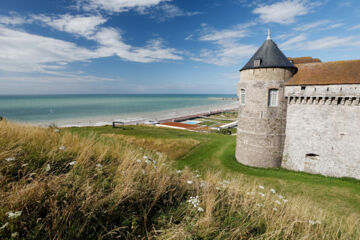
(327, 73)
(302, 60)
(269, 56)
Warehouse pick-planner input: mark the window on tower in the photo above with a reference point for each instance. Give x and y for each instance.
(242, 96)
(273, 97)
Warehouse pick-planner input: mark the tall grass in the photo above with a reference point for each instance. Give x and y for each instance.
(56, 185)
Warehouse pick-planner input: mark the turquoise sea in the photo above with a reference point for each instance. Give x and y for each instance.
(69, 108)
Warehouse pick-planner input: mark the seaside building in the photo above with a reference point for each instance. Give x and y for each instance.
(299, 113)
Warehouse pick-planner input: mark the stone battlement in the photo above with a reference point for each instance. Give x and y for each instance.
(321, 95)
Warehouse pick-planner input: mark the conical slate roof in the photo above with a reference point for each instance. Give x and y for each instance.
(270, 56)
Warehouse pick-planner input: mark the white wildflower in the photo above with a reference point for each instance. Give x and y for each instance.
(143, 172)
(72, 163)
(15, 235)
(275, 209)
(261, 194)
(10, 159)
(99, 166)
(194, 201)
(260, 205)
(178, 171)
(312, 222)
(261, 187)
(56, 130)
(200, 209)
(62, 148)
(4, 226)
(147, 161)
(189, 182)
(203, 184)
(280, 196)
(272, 190)
(48, 168)
(24, 165)
(155, 167)
(250, 193)
(13, 215)
(197, 175)
(139, 161)
(278, 202)
(285, 200)
(226, 182)
(145, 157)
(217, 188)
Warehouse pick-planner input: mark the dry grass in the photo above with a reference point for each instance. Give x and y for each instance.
(109, 193)
(174, 148)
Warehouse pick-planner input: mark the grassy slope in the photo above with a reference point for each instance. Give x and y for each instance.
(216, 152)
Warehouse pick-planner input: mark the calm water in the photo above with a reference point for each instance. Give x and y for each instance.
(57, 108)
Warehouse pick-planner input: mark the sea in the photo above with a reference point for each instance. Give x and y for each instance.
(99, 109)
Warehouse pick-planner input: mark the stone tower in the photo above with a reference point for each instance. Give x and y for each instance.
(262, 111)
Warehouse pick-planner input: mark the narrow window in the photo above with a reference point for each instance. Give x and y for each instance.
(273, 97)
(242, 96)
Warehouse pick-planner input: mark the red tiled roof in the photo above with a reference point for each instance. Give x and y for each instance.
(318, 73)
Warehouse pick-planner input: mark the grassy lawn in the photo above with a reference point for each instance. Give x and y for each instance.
(215, 152)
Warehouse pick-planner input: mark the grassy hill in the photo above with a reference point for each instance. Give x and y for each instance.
(104, 183)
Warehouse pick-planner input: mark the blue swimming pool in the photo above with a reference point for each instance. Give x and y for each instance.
(192, 122)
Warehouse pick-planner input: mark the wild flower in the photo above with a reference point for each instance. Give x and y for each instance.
(13, 215)
(262, 194)
(278, 202)
(143, 172)
(275, 209)
(72, 163)
(202, 184)
(224, 183)
(145, 157)
(260, 205)
(189, 182)
(139, 161)
(272, 190)
(200, 209)
(194, 201)
(98, 166)
(261, 187)
(280, 196)
(197, 175)
(10, 159)
(250, 193)
(62, 148)
(285, 200)
(4, 226)
(24, 165)
(48, 168)
(15, 235)
(147, 161)
(312, 222)
(56, 130)
(178, 171)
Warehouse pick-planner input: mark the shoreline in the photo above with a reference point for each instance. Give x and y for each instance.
(138, 118)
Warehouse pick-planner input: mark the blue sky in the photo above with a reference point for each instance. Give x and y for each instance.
(160, 46)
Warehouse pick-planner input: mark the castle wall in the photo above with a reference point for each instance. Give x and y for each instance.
(323, 130)
(261, 129)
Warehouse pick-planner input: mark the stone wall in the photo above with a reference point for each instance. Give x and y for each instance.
(323, 130)
(261, 129)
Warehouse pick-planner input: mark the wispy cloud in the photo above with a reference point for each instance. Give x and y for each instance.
(116, 6)
(284, 12)
(26, 52)
(165, 11)
(306, 27)
(301, 42)
(228, 49)
(355, 27)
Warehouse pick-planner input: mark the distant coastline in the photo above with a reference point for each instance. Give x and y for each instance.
(100, 109)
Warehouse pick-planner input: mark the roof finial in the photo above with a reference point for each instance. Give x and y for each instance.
(269, 34)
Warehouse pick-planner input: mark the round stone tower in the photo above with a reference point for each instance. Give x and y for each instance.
(262, 111)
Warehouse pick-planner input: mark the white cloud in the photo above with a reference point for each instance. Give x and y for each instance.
(166, 11)
(284, 12)
(317, 24)
(75, 24)
(355, 27)
(228, 50)
(13, 20)
(25, 52)
(302, 43)
(113, 6)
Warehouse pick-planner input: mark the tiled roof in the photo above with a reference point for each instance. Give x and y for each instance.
(339, 72)
(301, 60)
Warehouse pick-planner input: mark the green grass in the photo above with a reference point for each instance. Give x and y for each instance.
(216, 153)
